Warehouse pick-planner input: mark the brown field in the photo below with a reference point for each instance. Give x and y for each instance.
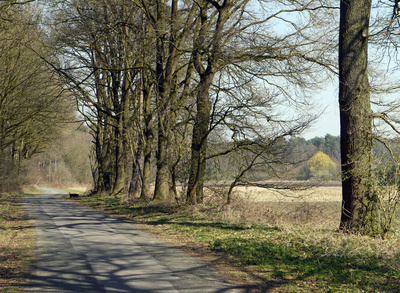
(318, 207)
(313, 194)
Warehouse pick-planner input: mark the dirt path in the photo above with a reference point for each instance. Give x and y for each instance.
(82, 250)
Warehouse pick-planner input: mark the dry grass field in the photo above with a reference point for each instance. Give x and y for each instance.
(318, 207)
(313, 194)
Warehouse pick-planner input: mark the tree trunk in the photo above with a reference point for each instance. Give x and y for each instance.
(360, 206)
(202, 120)
(163, 175)
(135, 186)
(120, 163)
(199, 142)
(165, 68)
(146, 192)
(122, 102)
(148, 146)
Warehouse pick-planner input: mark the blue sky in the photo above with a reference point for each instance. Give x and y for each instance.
(329, 122)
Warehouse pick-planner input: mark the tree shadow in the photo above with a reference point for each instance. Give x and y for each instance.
(81, 250)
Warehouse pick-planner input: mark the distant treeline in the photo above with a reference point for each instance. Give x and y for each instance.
(329, 145)
(294, 165)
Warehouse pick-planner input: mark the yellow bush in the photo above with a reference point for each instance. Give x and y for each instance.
(321, 166)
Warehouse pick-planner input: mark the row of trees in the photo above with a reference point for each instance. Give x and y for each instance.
(205, 69)
(178, 78)
(190, 81)
(32, 101)
(328, 144)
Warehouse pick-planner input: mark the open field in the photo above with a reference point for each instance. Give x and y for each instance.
(313, 194)
(317, 206)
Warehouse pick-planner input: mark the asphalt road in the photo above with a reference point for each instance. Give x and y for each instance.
(82, 250)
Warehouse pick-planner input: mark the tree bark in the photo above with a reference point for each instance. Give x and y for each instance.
(120, 151)
(360, 206)
(148, 146)
(203, 103)
(199, 142)
(165, 69)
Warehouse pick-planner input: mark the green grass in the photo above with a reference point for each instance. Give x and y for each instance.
(301, 257)
(290, 259)
(16, 244)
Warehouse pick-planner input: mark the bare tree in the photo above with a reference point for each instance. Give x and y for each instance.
(191, 50)
(33, 102)
(101, 66)
(233, 35)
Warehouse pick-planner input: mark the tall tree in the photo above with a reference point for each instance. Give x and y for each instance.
(172, 31)
(206, 70)
(234, 43)
(100, 64)
(360, 207)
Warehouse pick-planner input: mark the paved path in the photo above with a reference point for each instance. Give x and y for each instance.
(82, 250)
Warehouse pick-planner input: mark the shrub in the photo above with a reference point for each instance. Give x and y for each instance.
(321, 167)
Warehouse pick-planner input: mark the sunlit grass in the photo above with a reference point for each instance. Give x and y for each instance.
(16, 244)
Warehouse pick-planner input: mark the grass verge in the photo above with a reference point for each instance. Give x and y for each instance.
(16, 244)
(303, 256)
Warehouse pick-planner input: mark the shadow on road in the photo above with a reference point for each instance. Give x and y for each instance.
(82, 250)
